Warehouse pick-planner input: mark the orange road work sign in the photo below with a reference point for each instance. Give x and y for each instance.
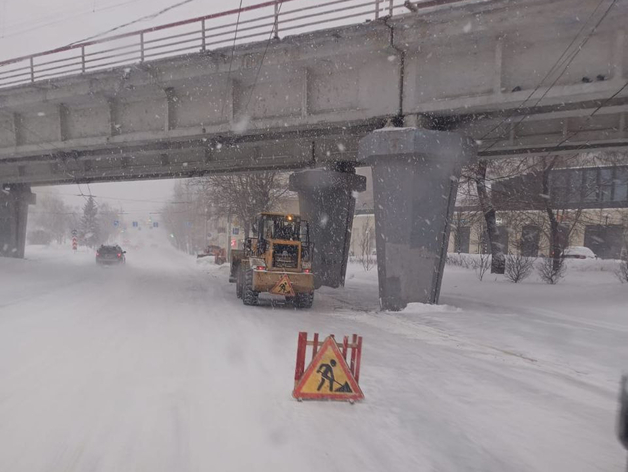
(328, 377)
(283, 287)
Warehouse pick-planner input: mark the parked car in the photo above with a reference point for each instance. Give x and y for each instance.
(579, 252)
(109, 255)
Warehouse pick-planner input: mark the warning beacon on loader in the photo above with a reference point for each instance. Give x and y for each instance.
(277, 260)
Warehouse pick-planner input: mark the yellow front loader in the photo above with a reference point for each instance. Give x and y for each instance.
(277, 260)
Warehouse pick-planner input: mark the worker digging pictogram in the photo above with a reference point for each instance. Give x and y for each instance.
(328, 377)
(283, 287)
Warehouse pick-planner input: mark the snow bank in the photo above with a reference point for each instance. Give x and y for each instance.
(421, 308)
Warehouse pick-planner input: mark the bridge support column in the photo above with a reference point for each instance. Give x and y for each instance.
(327, 202)
(14, 201)
(415, 180)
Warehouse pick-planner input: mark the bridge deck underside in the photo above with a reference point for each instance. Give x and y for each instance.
(510, 78)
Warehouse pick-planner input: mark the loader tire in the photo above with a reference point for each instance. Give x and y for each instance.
(239, 283)
(303, 300)
(249, 296)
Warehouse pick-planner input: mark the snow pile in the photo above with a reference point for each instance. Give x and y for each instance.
(421, 308)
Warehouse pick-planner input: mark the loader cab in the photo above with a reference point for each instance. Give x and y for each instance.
(282, 240)
(281, 227)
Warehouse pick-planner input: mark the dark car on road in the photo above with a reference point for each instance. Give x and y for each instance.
(108, 255)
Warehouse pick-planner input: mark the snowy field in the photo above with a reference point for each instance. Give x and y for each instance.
(157, 366)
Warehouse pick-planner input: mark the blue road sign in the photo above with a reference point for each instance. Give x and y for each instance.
(155, 224)
(135, 224)
(116, 223)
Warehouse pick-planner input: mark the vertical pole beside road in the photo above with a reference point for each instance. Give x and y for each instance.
(203, 44)
(300, 366)
(358, 360)
(141, 47)
(354, 351)
(315, 349)
(229, 236)
(276, 25)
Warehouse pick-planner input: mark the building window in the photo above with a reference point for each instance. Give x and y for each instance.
(589, 185)
(606, 184)
(620, 185)
(575, 186)
(605, 241)
(593, 185)
(502, 240)
(559, 186)
(530, 237)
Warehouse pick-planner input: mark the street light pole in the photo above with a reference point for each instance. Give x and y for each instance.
(229, 235)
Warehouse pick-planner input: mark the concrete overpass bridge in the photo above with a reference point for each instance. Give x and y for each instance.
(517, 76)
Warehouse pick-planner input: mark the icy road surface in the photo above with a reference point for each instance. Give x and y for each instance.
(158, 367)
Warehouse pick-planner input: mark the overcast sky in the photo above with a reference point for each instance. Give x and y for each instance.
(30, 26)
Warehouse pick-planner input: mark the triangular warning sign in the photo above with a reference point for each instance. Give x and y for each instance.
(283, 287)
(328, 377)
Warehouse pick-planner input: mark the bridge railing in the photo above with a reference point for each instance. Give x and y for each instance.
(263, 21)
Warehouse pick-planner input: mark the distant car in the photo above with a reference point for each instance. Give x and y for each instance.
(110, 255)
(579, 252)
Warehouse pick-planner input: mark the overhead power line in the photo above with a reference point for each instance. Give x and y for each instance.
(30, 24)
(152, 16)
(115, 198)
(261, 62)
(235, 37)
(565, 58)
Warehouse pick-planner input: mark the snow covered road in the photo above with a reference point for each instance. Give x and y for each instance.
(158, 367)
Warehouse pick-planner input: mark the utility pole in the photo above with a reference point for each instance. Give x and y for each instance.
(206, 216)
(229, 235)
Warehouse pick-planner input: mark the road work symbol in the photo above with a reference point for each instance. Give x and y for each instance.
(328, 377)
(283, 287)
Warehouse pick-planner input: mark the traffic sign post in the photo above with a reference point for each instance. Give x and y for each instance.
(328, 377)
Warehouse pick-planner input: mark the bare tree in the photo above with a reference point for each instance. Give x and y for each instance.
(199, 200)
(182, 217)
(51, 216)
(518, 267)
(622, 271)
(107, 216)
(498, 263)
(551, 269)
(482, 264)
(242, 195)
(366, 244)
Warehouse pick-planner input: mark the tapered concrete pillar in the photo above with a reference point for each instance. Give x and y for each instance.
(14, 201)
(415, 178)
(327, 202)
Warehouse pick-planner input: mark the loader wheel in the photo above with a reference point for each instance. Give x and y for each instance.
(249, 296)
(303, 300)
(239, 283)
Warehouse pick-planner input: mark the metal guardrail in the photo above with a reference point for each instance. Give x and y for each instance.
(262, 21)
